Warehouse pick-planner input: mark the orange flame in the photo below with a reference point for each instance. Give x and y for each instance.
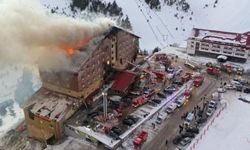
(70, 51)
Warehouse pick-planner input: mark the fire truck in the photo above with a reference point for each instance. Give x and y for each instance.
(141, 138)
(139, 101)
(198, 81)
(213, 71)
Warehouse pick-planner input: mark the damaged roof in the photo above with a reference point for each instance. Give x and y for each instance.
(83, 54)
(50, 104)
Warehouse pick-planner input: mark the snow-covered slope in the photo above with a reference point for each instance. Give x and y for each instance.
(13, 81)
(229, 15)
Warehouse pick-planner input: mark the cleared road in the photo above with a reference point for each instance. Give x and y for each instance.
(171, 129)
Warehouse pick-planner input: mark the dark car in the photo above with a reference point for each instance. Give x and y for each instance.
(178, 82)
(93, 114)
(193, 130)
(113, 135)
(177, 140)
(151, 103)
(161, 95)
(134, 119)
(156, 101)
(128, 122)
(246, 90)
(201, 120)
(188, 134)
(169, 90)
(117, 130)
(239, 88)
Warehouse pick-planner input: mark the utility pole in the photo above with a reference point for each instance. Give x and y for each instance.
(105, 105)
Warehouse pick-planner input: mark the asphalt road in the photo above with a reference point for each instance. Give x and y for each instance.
(171, 129)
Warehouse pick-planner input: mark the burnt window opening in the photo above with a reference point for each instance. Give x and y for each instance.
(31, 115)
(121, 61)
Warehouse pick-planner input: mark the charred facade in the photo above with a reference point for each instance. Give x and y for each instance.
(65, 91)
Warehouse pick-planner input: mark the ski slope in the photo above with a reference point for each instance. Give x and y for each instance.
(230, 130)
(10, 78)
(158, 28)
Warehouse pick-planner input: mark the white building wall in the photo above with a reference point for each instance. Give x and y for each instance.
(191, 46)
(226, 50)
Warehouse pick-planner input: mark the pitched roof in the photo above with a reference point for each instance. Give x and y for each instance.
(123, 80)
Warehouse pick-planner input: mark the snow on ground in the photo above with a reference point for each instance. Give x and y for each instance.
(10, 77)
(230, 130)
(72, 144)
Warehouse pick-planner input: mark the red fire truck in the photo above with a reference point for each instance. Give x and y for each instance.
(141, 138)
(198, 81)
(139, 101)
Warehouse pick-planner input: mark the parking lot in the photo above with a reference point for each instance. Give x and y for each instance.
(171, 128)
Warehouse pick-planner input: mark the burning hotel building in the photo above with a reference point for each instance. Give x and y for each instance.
(63, 92)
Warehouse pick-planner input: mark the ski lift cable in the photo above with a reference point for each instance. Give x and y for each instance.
(148, 22)
(161, 20)
(164, 36)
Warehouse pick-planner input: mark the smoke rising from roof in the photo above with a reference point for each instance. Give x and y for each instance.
(31, 34)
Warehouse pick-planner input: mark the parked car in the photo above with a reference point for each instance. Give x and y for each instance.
(161, 117)
(201, 120)
(151, 103)
(134, 119)
(185, 141)
(210, 111)
(171, 108)
(212, 104)
(221, 90)
(179, 71)
(239, 88)
(246, 90)
(193, 130)
(189, 118)
(230, 87)
(177, 140)
(178, 82)
(156, 101)
(113, 135)
(188, 134)
(180, 101)
(169, 90)
(128, 122)
(117, 130)
(162, 95)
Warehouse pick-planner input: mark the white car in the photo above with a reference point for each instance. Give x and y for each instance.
(161, 117)
(212, 104)
(180, 101)
(221, 90)
(171, 108)
(189, 118)
(230, 87)
(210, 111)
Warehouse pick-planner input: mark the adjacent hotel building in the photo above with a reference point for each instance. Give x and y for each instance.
(213, 43)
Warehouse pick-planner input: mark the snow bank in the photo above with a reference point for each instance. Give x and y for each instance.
(230, 131)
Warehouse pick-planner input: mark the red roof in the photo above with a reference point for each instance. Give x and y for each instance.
(123, 80)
